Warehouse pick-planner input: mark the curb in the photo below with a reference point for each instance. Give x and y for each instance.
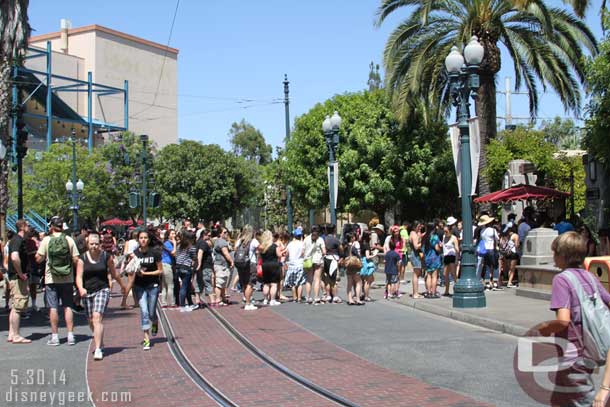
(492, 324)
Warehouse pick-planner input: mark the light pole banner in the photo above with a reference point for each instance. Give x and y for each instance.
(475, 152)
(335, 183)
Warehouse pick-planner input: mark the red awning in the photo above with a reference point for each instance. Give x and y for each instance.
(522, 193)
(119, 222)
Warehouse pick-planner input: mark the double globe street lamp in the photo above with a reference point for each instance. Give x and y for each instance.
(331, 126)
(464, 83)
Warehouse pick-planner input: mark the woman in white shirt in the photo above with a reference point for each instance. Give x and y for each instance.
(295, 276)
(314, 252)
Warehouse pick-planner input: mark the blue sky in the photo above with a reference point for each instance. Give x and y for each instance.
(233, 55)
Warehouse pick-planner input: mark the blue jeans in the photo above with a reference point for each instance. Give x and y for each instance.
(185, 284)
(147, 300)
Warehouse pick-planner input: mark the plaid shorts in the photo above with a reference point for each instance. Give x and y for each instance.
(96, 302)
(294, 277)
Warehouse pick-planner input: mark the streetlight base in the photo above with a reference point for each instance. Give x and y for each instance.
(469, 293)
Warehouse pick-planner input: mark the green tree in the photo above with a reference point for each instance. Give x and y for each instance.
(562, 132)
(553, 168)
(248, 142)
(45, 176)
(380, 163)
(14, 33)
(201, 181)
(545, 44)
(374, 82)
(597, 134)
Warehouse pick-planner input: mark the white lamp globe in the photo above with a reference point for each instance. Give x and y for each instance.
(69, 186)
(326, 124)
(80, 185)
(454, 60)
(335, 121)
(474, 51)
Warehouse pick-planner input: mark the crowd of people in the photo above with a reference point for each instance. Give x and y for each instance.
(188, 267)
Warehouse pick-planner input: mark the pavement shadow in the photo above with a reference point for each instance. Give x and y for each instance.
(116, 349)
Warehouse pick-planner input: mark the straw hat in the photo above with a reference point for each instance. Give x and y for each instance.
(485, 219)
(451, 221)
(380, 227)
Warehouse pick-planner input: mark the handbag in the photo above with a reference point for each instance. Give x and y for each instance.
(259, 268)
(353, 263)
(308, 263)
(133, 266)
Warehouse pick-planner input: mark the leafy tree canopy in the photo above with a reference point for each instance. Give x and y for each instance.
(380, 163)
(201, 181)
(554, 169)
(563, 133)
(249, 143)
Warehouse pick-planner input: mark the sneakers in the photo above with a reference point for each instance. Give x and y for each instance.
(146, 344)
(98, 354)
(309, 300)
(71, 339)
(186, 308)
(54, 341)
(250, 307)
(495, 287)
(154, 329)
(194, 306)
(510, 285)
(265, 301)
(274, 303)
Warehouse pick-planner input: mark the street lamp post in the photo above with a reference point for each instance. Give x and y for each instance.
(144, 139)
(288, 189)
(464, 82)
(74, 187)
(331, 126)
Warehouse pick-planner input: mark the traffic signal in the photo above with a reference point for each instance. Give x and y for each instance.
(22, 138)
(134, 200)
(154, 199)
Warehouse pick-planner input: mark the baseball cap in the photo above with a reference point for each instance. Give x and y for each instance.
(298, 232)
(57, 221)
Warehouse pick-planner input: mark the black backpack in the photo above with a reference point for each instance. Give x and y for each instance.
(242, 255)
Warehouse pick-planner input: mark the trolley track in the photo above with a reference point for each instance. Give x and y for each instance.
(221, 398)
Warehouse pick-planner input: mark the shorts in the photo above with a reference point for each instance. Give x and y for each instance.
(271, 273)
(53, 293)
(20, 294)
(391, 278)
(96, 302)
(511, 256)
(222, 274)
(34, 279)
(490, 259)
(247, 275)
(295, 277)
(449, 259)
(404, 260)
(206, 282)
(327, 277)
(415, 260)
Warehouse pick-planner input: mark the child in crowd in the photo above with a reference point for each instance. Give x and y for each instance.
(391, 271)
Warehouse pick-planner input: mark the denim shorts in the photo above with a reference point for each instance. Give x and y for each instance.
(415, 260)
(59, 292)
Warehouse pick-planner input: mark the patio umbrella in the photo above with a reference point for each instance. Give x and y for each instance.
(522, 193)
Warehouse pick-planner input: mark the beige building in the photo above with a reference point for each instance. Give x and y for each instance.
(114, 57)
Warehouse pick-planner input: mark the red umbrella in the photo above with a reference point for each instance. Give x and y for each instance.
(113, 222)
(522, 193)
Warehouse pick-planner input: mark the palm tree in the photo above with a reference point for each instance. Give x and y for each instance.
(546, 46)
(14, 33)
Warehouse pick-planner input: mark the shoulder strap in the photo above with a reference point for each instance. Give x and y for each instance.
(573, 281)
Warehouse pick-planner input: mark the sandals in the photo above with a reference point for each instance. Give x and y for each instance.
(337, 300)
(351, 303)
(20, 341)
(360, 303)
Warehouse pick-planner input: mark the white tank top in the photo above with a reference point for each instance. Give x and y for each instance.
(448, 247)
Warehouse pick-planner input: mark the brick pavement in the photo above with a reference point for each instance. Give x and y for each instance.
(152, 378)
(334, 368)
(231, 368)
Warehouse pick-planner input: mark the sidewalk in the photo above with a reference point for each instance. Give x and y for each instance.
(505, 312)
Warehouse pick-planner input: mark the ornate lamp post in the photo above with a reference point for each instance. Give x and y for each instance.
(464, 82)
(74, 187)
(331, 126)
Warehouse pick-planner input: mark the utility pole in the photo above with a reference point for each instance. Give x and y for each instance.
(288, 189)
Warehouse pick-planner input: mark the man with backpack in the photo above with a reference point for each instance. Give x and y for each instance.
(61, 255)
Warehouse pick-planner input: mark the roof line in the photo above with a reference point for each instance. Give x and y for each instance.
(96, 27)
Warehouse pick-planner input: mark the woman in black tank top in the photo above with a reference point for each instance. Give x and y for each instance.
(92, 282)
